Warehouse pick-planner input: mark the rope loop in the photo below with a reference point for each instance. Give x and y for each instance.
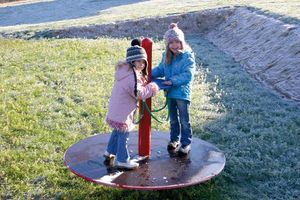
(144, 105)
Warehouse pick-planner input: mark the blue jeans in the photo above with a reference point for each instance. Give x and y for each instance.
(117, 145)
(180, 121)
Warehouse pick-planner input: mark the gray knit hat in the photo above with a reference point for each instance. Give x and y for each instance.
(136, 52)
(173, 33)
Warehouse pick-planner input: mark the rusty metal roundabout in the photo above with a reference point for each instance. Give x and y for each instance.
(162, 170)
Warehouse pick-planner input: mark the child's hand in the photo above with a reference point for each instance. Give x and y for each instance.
(167, 82)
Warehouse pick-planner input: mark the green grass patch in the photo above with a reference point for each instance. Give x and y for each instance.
(55, 93)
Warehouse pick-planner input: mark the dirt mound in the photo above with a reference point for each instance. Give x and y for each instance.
(267, 48)
(196, 22)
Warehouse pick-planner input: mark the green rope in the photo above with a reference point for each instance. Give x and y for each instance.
(153, 116)
(157, 110)
(144, 105)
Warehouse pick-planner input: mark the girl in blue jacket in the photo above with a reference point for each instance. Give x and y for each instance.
(177, 67)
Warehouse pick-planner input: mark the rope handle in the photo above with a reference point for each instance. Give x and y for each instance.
(153, 116)
(144, 105)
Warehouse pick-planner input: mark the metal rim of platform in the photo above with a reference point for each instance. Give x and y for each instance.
(205, 161)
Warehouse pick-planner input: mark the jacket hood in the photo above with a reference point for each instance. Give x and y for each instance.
(123, 70)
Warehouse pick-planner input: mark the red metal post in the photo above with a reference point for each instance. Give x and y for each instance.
(145, 124)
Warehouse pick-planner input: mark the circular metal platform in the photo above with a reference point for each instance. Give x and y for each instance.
(163, 170)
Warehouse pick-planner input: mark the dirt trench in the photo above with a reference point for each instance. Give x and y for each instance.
(266, 47)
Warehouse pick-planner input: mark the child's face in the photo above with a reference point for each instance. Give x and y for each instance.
(175, 46)
(139, 64)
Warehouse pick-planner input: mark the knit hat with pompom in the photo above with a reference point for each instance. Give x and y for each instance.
(174, 33)
(136, 52)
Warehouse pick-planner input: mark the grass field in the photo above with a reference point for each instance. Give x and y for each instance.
(55, 93)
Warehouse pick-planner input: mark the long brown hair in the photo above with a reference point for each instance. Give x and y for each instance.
(144, 74)
(170, 55)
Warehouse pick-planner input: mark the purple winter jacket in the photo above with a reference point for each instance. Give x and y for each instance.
(123, 102)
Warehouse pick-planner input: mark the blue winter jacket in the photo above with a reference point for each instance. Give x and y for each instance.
(181, 72)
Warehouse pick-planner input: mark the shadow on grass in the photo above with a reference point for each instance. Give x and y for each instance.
(258, 131)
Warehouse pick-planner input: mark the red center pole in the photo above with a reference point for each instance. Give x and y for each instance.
(145, 124)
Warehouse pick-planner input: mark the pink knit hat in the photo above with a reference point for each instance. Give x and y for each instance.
(173, 33)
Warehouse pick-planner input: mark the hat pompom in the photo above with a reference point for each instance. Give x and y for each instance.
(136, 41)
(172, 26)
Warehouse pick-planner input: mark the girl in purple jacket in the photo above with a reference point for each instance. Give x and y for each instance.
(130, 86)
